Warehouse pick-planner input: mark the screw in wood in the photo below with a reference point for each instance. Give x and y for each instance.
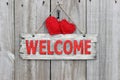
(43, 2)
(84, 35)
(7, 3)
(115, 1)
(33, 35)
(21, 5)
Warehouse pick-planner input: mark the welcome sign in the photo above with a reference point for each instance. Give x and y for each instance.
(68, 46)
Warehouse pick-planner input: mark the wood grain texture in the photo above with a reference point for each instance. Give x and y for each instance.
(94, 68)
(29, 16)
(116, 41)
(102, 18)
(70, 70)
(6, 40)
(7, 24)
(6, 65)
(43, 67)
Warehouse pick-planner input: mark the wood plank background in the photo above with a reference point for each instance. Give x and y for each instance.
(91, 16)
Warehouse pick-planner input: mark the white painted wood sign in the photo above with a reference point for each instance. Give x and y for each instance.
(69, 46)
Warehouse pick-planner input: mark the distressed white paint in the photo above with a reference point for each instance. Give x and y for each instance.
(70, 70)
(54, 38)
(6, 65)
(29, 15)
(103, 17)
(6, 40)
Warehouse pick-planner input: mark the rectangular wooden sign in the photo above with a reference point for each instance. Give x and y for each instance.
(69, 46)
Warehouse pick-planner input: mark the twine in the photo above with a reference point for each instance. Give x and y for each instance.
(65, 14)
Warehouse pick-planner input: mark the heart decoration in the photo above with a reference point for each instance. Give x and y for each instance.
(59, 27)
(66, 27)
(52, 25)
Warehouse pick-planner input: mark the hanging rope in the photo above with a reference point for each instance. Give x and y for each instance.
(69, 18)
(65, 14)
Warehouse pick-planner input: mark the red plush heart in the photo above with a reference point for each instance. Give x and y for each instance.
(52, 25)
(66, 27)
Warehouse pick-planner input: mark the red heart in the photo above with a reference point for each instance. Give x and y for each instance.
(52, 25)
(66, 27)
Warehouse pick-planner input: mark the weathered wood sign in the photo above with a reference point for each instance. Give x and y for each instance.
(70, 46)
